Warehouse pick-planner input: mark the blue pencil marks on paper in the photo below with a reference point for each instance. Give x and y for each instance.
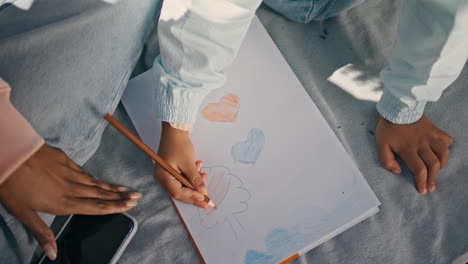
(280, 244)
(248, 151)
(346, 207)
(254, 257)
(230, 196)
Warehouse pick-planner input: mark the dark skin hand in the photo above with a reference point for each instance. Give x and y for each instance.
(421, 145)
(52, 183)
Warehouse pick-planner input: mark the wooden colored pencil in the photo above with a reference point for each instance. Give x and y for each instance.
(158, 159)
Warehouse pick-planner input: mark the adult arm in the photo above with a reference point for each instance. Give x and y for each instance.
(18, 140)
(35, 177)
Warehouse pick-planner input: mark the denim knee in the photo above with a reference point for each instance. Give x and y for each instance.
(304, 11)
(295, 10)
(73, 67)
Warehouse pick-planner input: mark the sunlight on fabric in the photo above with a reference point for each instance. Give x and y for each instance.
(223, 11)
(174, 10)
(215, 10)
(21, 4)
(358, 83)
(462, 259)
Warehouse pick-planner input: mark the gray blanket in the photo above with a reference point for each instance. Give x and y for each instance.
(410, 228)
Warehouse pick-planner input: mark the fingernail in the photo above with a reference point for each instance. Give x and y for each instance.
(130, 203)
(432, 188)
(424, 191)
(122, 189)
(211, 204)
(135, 195)
(396, 171)
(50, 252)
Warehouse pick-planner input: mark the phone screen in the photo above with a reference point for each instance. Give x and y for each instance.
(92, 239)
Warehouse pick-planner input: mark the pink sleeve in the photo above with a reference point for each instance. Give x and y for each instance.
(18, 140)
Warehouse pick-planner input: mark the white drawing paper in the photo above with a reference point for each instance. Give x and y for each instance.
(282, 181)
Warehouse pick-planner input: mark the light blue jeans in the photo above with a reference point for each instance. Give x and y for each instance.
(304, 11)
(68, 63)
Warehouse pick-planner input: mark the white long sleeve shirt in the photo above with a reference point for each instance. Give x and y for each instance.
(430, 51)
(200, 38)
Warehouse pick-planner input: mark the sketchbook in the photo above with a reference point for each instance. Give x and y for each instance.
(282, 181)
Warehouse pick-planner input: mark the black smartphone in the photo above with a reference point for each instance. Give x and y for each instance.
(99, 239)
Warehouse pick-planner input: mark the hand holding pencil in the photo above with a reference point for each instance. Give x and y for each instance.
(176, 148)
(177, 156)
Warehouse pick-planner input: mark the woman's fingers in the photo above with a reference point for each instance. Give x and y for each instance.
(41, 231)
(68, 190)
(87, 191)
(89, 206)
(83, 177)
(84, 185)
(93, 197)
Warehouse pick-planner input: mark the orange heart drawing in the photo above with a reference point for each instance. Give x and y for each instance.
(225, 111)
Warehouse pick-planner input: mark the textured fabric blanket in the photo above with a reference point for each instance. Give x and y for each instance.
(410, 228)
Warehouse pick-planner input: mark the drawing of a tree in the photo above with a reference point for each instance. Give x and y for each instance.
(230, 196)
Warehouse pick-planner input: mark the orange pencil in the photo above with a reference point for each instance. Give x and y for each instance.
(158, 159)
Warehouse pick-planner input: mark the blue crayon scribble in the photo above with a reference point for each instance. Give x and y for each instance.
(254, 257)
(280, 244)
(248, 151)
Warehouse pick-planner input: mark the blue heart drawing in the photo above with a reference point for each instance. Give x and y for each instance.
(248, 151)
(279, 243)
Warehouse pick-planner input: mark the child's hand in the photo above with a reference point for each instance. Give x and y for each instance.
(424, 148)
(177, 149)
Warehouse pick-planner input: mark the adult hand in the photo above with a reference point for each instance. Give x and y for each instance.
(422, 146)
(177, 149)
(52, 183)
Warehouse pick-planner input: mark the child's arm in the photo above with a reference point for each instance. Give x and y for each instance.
(429, 54)
(198, 40)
